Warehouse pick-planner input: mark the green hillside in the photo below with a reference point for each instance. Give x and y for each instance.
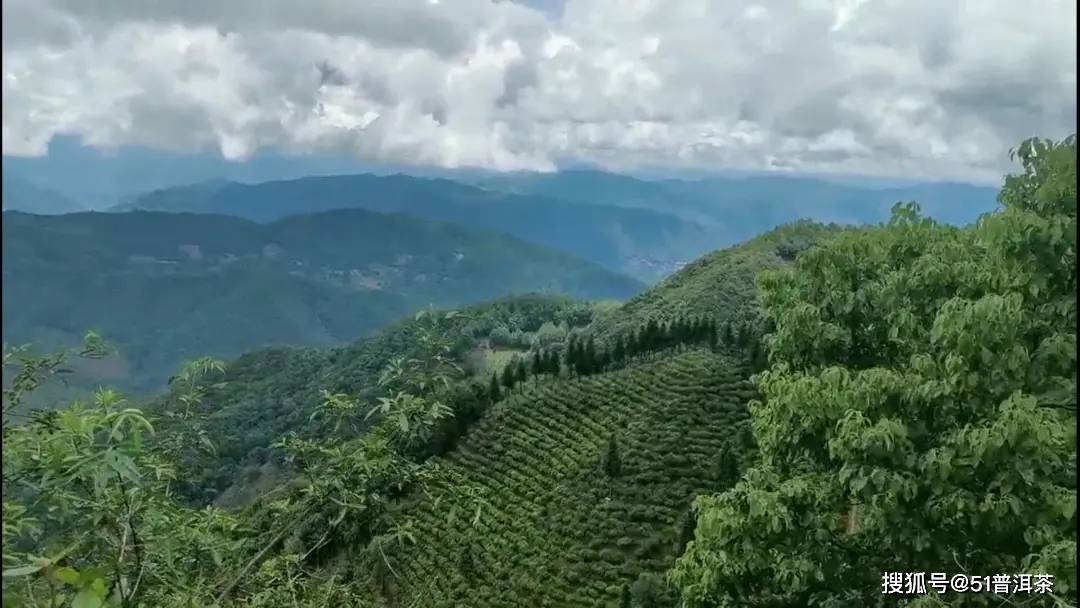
(170, 287)
(269, 392)
(719, 285)
(557, 528)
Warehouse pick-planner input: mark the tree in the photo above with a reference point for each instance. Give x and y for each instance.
(551, 362)
(522, 374)
(570, 357)
(467, 562)
(612, 459)
(537, 364)
(88, 515)
(728, 337)
(588, 357)
(618, 352)
(494, 394)
(687, 525)
(918, 414)
(649, 591)
(509, 375)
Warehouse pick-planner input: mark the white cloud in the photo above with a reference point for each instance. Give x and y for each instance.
(913, 87)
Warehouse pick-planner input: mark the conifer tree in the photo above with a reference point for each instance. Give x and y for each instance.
(537, 364)
(686, 531)
(508, 375)
(551, 363)
(618, 353)
(494, 394)
(467, 562)
(521, 374)
(570, 357)
(588, 358)
(612, 459)
(729, 335)
(710, 331)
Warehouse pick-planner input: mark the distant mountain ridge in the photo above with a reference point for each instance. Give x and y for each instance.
(747, 206)
(167, 287)
(644, 228)
(607, 235)
(24, 195)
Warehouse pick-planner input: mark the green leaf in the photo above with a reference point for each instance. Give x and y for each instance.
(22, 570)
(67, 575)
(87, 598)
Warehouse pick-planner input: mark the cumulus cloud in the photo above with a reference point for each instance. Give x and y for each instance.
(889, 87)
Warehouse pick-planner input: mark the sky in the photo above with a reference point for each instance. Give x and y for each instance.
(929, 89)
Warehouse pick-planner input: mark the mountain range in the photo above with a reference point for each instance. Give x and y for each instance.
(172, 286)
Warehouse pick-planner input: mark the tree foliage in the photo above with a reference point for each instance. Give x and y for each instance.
(918, 412)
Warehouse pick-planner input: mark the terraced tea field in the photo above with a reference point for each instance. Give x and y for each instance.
(559, 529)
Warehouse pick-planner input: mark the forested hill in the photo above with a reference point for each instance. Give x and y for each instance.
(169, 287)
(645, 243)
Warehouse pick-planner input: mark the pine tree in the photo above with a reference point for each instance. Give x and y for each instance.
(624, 597)
(508, 375)
(551, 363)
(494, 394)
(727, 468)
(618, 353)
(652, 333)
(537, 364)
(588, 357)
(710, 331)
(612, 459)
(570, 357)
(467, 562)
(686, 531)
(522, 374)
(729, 335)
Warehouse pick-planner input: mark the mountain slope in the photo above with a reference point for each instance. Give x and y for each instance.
(719, 286)
(24, 195)
(557, 529)
(736, 209)
(641, 242)
(167, 287)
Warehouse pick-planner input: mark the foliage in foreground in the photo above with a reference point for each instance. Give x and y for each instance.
(919, 412)
(93, 468)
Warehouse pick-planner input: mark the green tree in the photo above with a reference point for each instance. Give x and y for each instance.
(88, 512)
(612, 458)
(918, 414)
(588, 357)
(728, 336)
(618, 352)
(494, 394)
(467, 562)
(650, 591)
(537, 364)
(522, 373)
(509, 375)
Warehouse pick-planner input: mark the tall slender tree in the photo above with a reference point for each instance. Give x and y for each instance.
(618, 352)
(494, 394)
